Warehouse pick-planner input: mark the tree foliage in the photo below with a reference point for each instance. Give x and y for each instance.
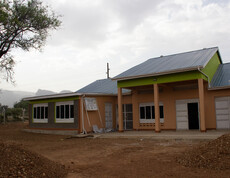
(24, 24)
(22, 104)
(15, 113)
(3, 108)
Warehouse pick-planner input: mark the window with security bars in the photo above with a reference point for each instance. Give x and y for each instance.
(65, 112)
(40, 113)
(147, 112)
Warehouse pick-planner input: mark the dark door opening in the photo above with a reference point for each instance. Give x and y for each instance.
(193, 118)
(128, 116)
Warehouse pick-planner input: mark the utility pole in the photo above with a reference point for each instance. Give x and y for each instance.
(108, 70)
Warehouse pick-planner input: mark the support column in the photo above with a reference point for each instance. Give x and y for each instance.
(201, 105)
(81, 116)
(156, 107)
(120, 113)
(136, 120)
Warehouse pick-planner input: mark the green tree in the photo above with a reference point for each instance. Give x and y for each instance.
(3, 108)
(16, 113)
(22, 104)
(24, 25)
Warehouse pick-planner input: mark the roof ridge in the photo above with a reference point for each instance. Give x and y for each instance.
(184, 52)
(102, 79)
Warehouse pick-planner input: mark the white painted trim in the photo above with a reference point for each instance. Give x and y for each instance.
(70, 120)
(40, 120)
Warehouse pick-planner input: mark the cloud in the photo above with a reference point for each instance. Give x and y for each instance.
(123, 33)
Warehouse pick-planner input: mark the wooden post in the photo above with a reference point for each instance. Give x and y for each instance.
(202, 108)
(120, 113)
(157, 110)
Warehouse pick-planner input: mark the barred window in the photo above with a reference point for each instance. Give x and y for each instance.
(40, 113)
(65, 112)
(147, 112)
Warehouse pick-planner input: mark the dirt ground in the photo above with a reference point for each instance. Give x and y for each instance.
(97, 157)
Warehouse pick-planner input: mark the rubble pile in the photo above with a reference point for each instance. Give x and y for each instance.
(213, 155)
(19, 162)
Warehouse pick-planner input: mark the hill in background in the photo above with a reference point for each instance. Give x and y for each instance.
(9, 98)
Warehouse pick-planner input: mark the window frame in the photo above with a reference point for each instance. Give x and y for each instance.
(62, 112)
(152, 119)
(42, 117)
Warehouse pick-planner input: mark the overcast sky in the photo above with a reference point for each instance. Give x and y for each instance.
(121, 32)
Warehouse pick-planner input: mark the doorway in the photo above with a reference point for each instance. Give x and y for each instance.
(193, 116)
(127, 110)
(128, 116)
(108, 116)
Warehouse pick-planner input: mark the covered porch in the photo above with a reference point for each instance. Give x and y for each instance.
(166, 106)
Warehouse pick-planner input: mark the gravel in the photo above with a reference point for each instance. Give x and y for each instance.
(212, 155)
(19, 162)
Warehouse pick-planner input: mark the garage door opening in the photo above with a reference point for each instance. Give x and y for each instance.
(193, 116)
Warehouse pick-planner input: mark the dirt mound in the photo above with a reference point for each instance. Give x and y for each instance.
(18, 162)
(212, 155)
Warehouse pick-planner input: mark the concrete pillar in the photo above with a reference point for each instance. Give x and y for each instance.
(81, 117)
(120, 112)
(157, 110)
(201, 105)
(135, 110)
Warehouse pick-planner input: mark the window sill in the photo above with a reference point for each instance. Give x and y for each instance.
(150, 121)
(40, 120)
(64, 121)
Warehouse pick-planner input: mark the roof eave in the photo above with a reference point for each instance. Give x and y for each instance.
(51, 96)
(70, 95)
(104, 94)
(160, 73)
(219, 88)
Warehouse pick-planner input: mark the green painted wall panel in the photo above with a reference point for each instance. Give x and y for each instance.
(54, 100)
(160, 79)
(211, 67)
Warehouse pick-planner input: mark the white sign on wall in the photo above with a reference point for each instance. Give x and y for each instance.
(91, 104)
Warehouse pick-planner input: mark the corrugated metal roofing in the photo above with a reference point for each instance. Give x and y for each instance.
(104, 86)
(222, 76)
(171, 63)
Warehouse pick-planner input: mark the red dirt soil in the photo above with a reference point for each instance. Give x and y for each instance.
(212, 155)
(19, 162)
(95, 157)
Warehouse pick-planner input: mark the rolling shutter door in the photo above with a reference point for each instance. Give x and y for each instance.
(222, 112)
(182, 115)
